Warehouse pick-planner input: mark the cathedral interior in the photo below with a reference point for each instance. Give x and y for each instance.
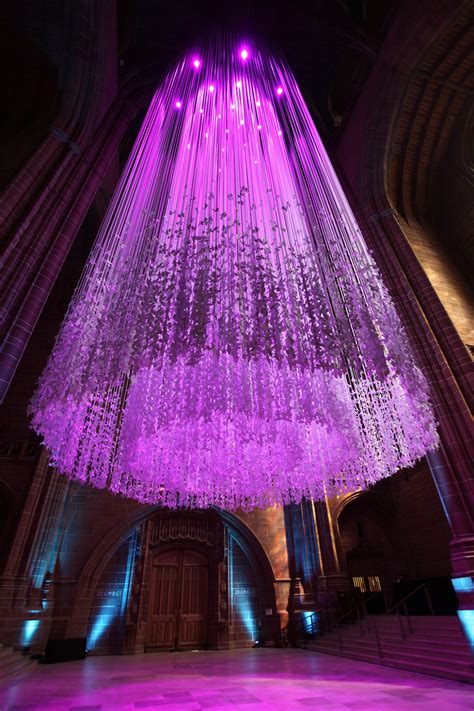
(382, 576)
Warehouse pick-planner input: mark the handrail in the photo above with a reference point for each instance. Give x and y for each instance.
(352, 610)
(397, 607)
(423, 585)
(303, 623)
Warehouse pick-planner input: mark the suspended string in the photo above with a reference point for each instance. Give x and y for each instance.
(231, 341)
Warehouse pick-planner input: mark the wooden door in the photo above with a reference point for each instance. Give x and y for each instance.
(178, 605)
(164, 590)
(193, 607)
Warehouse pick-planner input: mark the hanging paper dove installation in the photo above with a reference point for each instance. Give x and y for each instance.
(231, 342)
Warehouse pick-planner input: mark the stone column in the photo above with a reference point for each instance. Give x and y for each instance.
(25, 585)
(44, 205)
(439, 350)
(304, 556)
(331, 581)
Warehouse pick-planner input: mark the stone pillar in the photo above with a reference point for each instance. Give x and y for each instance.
(365, 153)
(331, 581)
(302, 541)
(43, 207)
(26, 589)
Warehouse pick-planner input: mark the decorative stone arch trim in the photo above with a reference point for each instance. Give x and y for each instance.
(99, 559)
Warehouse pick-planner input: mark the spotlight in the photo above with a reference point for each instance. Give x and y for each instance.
(196, 63)
(212, 88)
(279, 91)
(259, 127)
(258, 103)
(244, 54)
(238, 84)
(178, 104)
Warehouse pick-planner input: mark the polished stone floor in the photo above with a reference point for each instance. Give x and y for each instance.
(240, 679)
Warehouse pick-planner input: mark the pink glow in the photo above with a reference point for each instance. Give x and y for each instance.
(196, 63)
(244, 54)
(178, 104)
(231, 341)
(238, 84)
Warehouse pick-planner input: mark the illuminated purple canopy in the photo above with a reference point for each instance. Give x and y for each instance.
(231, 342)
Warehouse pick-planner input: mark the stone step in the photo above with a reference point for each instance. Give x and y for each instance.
(411, 646)
(447, 620)
(429, 636)
(417, 623)
(437, 645)
(394, 635)
(436, 667)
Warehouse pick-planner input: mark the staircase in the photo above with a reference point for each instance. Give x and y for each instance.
(435, 645)
(13, 664)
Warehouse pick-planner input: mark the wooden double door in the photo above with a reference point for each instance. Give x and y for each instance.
(178, 600)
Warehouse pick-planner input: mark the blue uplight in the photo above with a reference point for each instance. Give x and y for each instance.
(246, 615)
(29, 629)
(310, 621)
(463, 585)
(241, 603)
(466, 618)
(102, 621)
(111, 611)
(132, 547)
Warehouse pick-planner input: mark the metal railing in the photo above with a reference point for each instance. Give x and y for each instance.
(304, 631)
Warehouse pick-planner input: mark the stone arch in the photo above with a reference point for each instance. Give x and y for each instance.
(110, 544)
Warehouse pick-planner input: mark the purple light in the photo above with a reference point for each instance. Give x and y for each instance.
(244, 54)
(229, 375)
(258, 103)
(196, 63)
(238, 84)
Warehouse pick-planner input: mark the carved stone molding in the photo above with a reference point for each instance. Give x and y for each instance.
(183, 527)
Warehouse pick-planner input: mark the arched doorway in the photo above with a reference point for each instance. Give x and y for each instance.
(178, 609)
(150, 572)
